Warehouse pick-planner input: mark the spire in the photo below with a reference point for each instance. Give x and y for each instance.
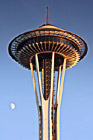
(47, 22)
(47, 17)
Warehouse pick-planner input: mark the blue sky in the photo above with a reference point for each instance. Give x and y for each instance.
(76, 121)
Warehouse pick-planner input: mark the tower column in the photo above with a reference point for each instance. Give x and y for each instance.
(46, 105)
(51, 95)
(59, 97)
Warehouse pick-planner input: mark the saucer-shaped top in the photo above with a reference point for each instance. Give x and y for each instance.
(47, 39)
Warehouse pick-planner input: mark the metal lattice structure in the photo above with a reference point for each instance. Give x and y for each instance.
(47, 50)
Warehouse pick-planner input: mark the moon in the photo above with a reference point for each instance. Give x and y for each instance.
(12, 105)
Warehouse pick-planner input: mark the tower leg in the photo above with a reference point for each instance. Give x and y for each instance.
(37, 101)
(34, 84)
(51, 95)
(59, 98)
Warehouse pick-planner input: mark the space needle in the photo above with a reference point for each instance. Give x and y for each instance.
(48, 51)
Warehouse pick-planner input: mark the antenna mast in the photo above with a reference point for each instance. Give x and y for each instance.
(47, 22)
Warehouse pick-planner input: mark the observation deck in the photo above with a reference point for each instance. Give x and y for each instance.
(45, 40)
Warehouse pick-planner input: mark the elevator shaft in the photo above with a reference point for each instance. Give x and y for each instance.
(46, 85)
(46, 77)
